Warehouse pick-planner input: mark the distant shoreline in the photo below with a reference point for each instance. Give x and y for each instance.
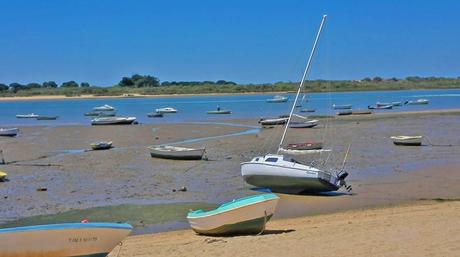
(135, 95)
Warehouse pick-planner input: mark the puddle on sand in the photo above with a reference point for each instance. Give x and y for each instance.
(144, 218)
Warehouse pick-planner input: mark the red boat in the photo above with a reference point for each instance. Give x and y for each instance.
(305, 146)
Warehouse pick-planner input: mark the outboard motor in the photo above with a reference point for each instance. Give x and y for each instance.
(341, 177)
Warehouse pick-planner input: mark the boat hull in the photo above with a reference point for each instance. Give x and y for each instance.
(409, 141)
(9, 132)
(219, 112)
(286, 179)
(277, 121)
(78, 239)
(300, 124)
(47, 117)
(248, 219)
(108, 121)
(342, 107)
(195, 154)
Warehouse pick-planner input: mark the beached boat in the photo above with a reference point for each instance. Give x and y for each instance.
(361, 112)
(101, 145)
(113, 120)
(247, 215)
(303, 124)
(307, 110)
(273, 121)
(407, 140)
(27, 116)
(278, 99)
(104, 107)
(282, 174)
(386, 104)
(304, 146)
(9, 132)
(219, 112)
(155, 114)
(418, 101)
(345, 112)
(176, 153)
(44, 117)
(166, 110)
(341, 106)
(382, 107)
(63, 240)
(3, 176)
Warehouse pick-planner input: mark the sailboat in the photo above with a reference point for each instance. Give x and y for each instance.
(280, 173)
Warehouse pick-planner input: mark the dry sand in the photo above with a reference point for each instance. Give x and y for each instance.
(422, 229)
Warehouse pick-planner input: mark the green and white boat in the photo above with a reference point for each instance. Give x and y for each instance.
(246, 215)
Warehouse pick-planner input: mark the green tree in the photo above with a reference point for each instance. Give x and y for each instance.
(146, 81)
(50, 84)
(367, 79)
(84, 84)
(3, 87)
(15, 87)
(377, 79)
(69, 84)
(126, 82)
(33, 85)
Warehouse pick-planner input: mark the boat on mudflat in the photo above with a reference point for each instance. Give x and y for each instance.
(101, 145)
(3, 176)
(361, 112)
(166, 110)
(407, 140)
(303, 124)
(344, 112)
(9, 132)
(176, 153)
(341, 106)
(247, 215)
(27, 116)
(113, 121)
(386, 104)
(273, 121)
(418, 101)
(381, 107)
(155, 115)
(219, 112)
(304, 146)
(63, 240)
(278, 99)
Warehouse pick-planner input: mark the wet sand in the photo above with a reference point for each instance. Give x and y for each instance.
(422, 229)
(381, 174)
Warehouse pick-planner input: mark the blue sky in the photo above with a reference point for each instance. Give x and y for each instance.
(100, 41)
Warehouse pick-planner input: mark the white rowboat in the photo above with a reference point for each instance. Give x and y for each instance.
(9, 132)
(407, 140)
(177, 153)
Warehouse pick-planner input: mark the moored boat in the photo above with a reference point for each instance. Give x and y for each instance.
(101, 113)
(219, 112)
(104, 107)
(64, 240)
(341, 106)
(44, 117)
(166, 110)
(418, 101)
(304, 146)
(407, 140)
(361, 112)
(382, 107)
(307, 110)
(386, 104)
(9, 132)
(176, 153)
(155, 114)
(101, 145)
(27, 116)
(247, 215)
(113, 120)
(273, 121)
(303, 124)
(345, 112)
(278, 99)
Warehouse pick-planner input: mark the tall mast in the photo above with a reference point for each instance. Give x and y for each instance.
(303, 79)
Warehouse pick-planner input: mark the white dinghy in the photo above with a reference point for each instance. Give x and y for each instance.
(177, 153)
(407, 140)
(9, 132)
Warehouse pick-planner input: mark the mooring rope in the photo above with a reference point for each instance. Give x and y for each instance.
(446, 145)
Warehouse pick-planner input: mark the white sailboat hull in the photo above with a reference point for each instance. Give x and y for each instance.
(10, 132)
(61, 240)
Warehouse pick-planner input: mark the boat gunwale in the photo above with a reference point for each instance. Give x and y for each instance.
(94, 225)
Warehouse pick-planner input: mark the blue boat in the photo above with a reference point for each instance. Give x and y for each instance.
(246, 215)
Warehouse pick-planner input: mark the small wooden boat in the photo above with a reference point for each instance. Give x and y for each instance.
(101, 145)
(407, 140)
(386, 104)
(155, 115)
(303, 124)
(177, 153)
(418, 101)
(64, 240)
(219, 112)
(43, 117)
(345, 112)
(3, 176)
(273, 121)
(361, 112)
(9, 132)
(104, 107)
(307, 110)
(383, 107)
(341, 107)
(277, 99)
(113, 120)
(305, 146)
(27, 116)
(166, 110)
(241, 216)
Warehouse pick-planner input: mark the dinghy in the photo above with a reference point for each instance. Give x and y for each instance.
(176, 153)
(8, 132)
(346, 112)
(341, 107)
(382, 107)
(307, 110)
(386, 104)
(407, 140)
(219, 112)
(277, 99)
(63, 240)
(101, 145)
(166, 110)
(104, 107)
(303, 124)
(27, 116)
(304, 146)
(242, 216)
(43, 117)
(3, 176)
(419, 101)
(155, 115)
(113, 121)
(273, 121)
(282, 174)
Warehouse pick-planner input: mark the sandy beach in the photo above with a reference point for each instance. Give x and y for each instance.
(399, 181)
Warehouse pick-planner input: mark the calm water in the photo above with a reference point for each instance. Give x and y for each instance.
(192, 109)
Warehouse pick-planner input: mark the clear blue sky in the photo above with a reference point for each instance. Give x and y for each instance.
(100, 41)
